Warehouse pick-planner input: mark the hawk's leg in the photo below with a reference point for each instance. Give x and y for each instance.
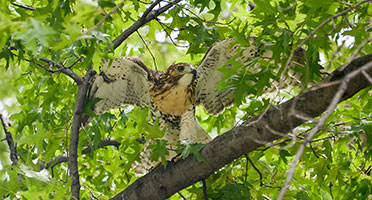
(191, 129)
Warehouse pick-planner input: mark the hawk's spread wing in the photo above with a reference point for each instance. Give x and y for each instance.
(122, 81)
(219, 54)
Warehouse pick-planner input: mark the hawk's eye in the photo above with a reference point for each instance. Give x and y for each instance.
(181, 68)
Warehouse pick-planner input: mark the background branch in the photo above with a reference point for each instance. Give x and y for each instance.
(61, 68)
(79, 80)
(104, 142)
(317, 29)
(10, 141)
(115, 9)
(162, 183)
(147, 16)
(335, 100)
(23, 6)
(64, 157)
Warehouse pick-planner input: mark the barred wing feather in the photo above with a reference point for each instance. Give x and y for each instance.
(123, 81)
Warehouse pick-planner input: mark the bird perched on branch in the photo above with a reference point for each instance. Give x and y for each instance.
(172, 95)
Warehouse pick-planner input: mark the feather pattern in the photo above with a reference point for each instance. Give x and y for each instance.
(173, 94)
(123, 81)
(218, 56)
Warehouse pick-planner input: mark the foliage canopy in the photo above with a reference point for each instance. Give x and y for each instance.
(336, 164)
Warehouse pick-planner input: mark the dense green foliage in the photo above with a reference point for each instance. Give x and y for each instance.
(335, 165)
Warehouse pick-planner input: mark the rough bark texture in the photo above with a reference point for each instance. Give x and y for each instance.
(74, 138)
(163, 183)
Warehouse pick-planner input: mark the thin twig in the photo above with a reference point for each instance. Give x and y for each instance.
(327, 113)
(246, 169)
(103, 143)
(202, 19)
(55, 161)
(334, 55)
(73, 64)
(126, 175)
(10, 141)
(315, 30)
(143, 2)
(152, 6)
(61, 68)
(148, 49)
(114, 10)
(312, 149)
(325, 138)
(183, 197)
(23, 6)
(147, 16)
(205, 189)
(360, 46)
(169, 36)
(259, 173)
(79, 80)
(26, 73)
(64, 157)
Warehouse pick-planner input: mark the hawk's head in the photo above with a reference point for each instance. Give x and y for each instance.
(182, 73)
(174, 91)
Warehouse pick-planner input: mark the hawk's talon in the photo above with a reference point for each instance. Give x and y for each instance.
(177, 158)
(155, 165)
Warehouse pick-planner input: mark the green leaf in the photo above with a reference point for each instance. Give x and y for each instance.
(193, 149)
(159, 150)
(88, 107)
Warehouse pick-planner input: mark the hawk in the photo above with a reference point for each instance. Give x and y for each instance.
(172, 94)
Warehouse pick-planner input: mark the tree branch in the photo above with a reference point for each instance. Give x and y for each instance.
(79, 80)
(147, 16)
(335, 100)
(23, 6)
(105, 142)
(74, 138)
(116, 8)
(64, 157)
(163, 183)
(10, 141)
(317, 29)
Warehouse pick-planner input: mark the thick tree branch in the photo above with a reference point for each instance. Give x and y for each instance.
(147, 16)
(10, 141)
(74, 138)
(163, 183)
